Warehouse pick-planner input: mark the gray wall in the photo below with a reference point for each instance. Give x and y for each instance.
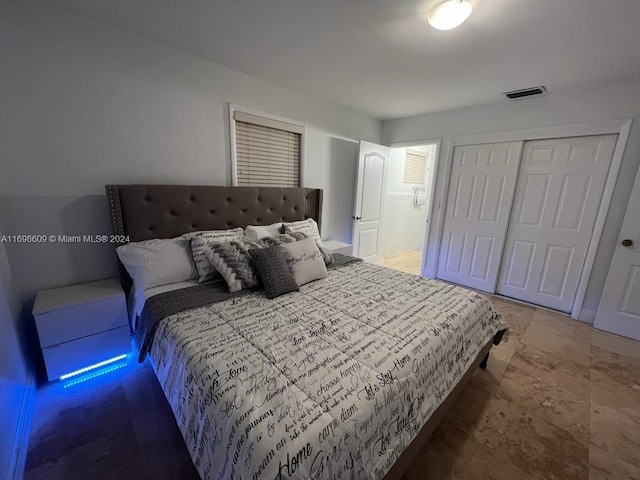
(84, 105)
(579, 105)
(13, 370)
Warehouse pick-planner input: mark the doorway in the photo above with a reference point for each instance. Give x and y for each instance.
(407, 195)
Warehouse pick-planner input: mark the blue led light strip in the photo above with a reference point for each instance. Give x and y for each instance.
(93, 375)
(92, 367)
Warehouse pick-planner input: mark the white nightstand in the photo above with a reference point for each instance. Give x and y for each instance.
(81, 325)
(337, 247)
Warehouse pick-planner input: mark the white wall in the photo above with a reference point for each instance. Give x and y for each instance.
(579, 105)
(85, 105)
(403, 223)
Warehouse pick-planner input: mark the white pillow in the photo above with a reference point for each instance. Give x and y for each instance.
(156, 262)
(257, 232)
(309, 227)
(304, 260)
(202, 240)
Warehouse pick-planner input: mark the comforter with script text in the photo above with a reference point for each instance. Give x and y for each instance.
(331, 382)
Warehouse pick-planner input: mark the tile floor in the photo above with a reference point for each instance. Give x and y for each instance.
(116, 427)
(409, 261)
(559, 400)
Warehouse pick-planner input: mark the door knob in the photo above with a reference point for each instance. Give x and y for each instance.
(357, 218)
(627, 243)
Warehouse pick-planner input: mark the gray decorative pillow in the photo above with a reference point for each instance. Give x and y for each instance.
(201, 240)
(305, 260)
(233, 261)
(327, 256)
(272, 268)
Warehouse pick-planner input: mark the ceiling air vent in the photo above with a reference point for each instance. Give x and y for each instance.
(525, 92)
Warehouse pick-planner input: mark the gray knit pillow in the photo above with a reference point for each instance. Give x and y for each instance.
(272, 268)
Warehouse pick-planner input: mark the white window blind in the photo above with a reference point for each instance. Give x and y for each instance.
(267, 151)
(414, 166)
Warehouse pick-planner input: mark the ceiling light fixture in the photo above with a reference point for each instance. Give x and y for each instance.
(449, 14)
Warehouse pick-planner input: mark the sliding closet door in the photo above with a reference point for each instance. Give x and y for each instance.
(559, 190)
(483, 178)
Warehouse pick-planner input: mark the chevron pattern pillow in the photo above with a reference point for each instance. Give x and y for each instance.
(201, 241)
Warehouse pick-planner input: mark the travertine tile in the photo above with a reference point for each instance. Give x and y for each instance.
(61, 426)
(604, 466)
(112, 456)
(409, 262)
(616, 343)
(117, 427)
(463, 419)
(532, 444)
(560, 345)
(556, 390)
(471, 460)
(616, 433)
(144, 393)
(563, 325)
(499, 358)
(162, 448)
(517, 315)
(615, 381)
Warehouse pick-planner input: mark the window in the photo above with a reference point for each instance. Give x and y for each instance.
(415, 164)
(267, 151)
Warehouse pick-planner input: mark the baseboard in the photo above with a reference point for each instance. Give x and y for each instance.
(20, 446)
(587, 315)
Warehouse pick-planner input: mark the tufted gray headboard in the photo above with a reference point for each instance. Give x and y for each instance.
(165, 211)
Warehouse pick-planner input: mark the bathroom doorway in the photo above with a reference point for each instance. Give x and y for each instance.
(407, 207)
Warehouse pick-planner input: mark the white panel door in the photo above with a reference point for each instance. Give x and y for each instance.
(483, 179)
(619, 310)
(372, 161)
(559, 190)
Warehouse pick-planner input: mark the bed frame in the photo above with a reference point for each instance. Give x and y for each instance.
(142, 212)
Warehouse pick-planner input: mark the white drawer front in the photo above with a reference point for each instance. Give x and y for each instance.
(79, 321)
(71, 356)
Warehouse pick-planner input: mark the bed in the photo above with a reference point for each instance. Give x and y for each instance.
(344, 379)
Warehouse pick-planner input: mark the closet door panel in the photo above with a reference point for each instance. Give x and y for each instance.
(557, 197)
(478, 204)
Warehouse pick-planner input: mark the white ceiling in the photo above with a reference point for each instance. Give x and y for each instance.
(382, 57)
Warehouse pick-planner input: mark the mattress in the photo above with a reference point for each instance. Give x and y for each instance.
(330, 382)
